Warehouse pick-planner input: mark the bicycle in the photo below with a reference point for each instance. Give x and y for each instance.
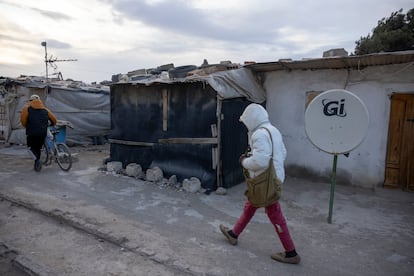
(53, 150)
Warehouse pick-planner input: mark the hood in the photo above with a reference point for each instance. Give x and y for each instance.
(253, 116)
(36, 104)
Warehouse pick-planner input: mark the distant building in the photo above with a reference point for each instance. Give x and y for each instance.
(340, 52)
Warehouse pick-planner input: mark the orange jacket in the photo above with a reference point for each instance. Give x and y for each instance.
(34, 124)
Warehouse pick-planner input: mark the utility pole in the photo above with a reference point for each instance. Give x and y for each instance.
(44, 44)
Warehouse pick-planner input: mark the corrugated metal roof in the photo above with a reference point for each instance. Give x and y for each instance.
(358, 62)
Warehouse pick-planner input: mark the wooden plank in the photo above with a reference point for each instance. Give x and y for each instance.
(410, 156)
(188, 141)
(310, 95)
(219, 179)
(395, 134)
(392, 177)
(400, 148)
(407, 155)
(130, 143)
(164, 109)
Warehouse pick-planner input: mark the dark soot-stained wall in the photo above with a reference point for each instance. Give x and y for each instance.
(137, 116)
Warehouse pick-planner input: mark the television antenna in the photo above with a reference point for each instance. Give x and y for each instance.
(51, 61)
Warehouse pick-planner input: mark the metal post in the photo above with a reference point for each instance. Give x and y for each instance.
(44, 44)
(332, 188)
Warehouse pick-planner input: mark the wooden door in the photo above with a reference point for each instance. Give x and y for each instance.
(399, 172)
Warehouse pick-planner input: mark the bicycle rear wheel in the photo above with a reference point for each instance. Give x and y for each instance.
(63, 156)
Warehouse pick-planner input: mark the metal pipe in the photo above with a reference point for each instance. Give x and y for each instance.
(44, 44)
(332, 187)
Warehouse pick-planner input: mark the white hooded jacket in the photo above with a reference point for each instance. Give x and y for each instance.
(255, 118)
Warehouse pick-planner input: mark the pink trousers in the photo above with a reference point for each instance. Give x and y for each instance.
(274, 212)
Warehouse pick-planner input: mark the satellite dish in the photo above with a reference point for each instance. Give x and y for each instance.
(336, 121)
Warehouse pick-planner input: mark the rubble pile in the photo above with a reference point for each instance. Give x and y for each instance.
(155, 176)
(168, 72)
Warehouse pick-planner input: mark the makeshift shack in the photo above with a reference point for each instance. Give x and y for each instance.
(86, 107)
(188, 127)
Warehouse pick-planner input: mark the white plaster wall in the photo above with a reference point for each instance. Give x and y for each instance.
(286, 99)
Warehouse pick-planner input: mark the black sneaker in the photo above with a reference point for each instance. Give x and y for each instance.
(38, 165)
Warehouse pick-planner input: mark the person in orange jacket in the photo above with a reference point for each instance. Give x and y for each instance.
(35, 118)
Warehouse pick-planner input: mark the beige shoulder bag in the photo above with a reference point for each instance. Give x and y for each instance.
(264, 189)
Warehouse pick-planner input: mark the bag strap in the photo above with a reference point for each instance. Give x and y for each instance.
(271, 140)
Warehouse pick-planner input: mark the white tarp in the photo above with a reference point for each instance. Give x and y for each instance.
(87, 108)
(236, 83)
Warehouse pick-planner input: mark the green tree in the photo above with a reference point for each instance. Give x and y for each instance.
(395, 33)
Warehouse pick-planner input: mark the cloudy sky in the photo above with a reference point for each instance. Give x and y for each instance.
(108, 37)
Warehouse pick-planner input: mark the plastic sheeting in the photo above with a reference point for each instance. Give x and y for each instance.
(89, 113)
(236, 83)
(87, 108)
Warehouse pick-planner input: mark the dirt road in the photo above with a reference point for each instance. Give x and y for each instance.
(88, 222)
(39, 243)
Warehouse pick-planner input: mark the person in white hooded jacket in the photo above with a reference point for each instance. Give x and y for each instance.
(256, 119)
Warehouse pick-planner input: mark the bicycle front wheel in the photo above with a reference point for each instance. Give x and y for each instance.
(45, 157)
(63, 156)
